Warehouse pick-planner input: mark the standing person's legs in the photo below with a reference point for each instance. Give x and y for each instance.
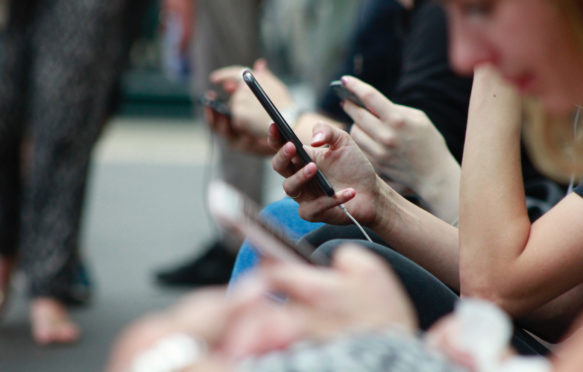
(13, 66)
(226, 33)
(77, 52)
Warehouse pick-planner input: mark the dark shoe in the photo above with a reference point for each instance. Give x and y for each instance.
(213, 267)
(80, 290)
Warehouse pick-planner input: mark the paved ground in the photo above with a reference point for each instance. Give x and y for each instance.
(145, 210)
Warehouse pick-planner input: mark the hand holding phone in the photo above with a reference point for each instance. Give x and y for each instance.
(284, 128)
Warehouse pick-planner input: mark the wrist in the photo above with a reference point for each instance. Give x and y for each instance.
(440, 191)
(383, 205)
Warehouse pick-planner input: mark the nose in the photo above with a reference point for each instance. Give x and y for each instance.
(468, 49)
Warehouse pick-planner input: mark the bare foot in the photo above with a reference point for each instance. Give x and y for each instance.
(51, 323)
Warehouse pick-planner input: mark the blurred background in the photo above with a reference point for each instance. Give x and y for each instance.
(145, 202)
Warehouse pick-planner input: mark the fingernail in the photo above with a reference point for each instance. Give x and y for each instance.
(310, 169)
(344, 80)
(318, 137)
(288, 148)
(349, 193)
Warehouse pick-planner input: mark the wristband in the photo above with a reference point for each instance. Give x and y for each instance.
(172, 353)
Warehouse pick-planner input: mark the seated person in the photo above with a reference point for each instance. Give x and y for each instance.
(414, 156)
(335, 319)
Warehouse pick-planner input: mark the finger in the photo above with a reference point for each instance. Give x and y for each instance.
(363, 118)
(274, 137)
(227, 73)
(374, 100)
(282, 160)
(300, 282)
(372, 149)
(325, 134)
(315, 210)
(260, 65)
(296, 183)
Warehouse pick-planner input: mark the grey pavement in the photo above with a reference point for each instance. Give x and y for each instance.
(145, 210)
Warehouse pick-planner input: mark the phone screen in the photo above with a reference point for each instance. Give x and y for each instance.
(284, 128)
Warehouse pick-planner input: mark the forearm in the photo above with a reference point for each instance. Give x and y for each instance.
(419, 235)
(494, 225)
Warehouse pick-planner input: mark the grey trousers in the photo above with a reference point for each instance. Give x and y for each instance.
(226, 33)
(59, 62)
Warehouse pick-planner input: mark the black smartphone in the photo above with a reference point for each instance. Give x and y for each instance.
(344, 94)
(215, 104)
(238, 214)
(284, 128)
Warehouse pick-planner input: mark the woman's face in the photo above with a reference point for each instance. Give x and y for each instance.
(528, 40)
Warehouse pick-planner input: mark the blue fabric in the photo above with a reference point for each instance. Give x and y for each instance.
(284, 211)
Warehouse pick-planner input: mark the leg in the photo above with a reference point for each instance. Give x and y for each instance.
(75, 64)
(13, 69)
(432, 298)
(226, 33)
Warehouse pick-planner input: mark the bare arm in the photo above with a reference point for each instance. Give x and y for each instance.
(502, 257)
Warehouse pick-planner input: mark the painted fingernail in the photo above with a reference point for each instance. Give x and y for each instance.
(318, 137)
(288, 148)
(310, 169)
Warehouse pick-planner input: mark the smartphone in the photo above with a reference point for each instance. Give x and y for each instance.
(284, 128)
(238, 214)
(216, 105)
(344, 94)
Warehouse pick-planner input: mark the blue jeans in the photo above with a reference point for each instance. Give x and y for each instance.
(284, 211)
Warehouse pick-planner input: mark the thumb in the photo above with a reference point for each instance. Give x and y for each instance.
(260, 65)
(325, 134)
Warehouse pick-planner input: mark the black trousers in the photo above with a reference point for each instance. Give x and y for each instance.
(432, 298)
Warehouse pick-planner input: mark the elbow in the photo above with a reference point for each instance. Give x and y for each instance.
(489, 289)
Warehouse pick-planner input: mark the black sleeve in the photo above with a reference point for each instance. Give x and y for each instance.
(427, 81)
(374, 54)
(579, 189)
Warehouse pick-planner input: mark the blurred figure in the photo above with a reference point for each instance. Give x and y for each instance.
(223, 32)
(227, 32)
(59, 63)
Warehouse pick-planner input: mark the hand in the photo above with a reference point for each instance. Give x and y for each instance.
(332, 301)
(405, 148)
(203, 314)
(184, 9)
(248, 114)
(401, 142)
(344, 165)
(236, 139)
